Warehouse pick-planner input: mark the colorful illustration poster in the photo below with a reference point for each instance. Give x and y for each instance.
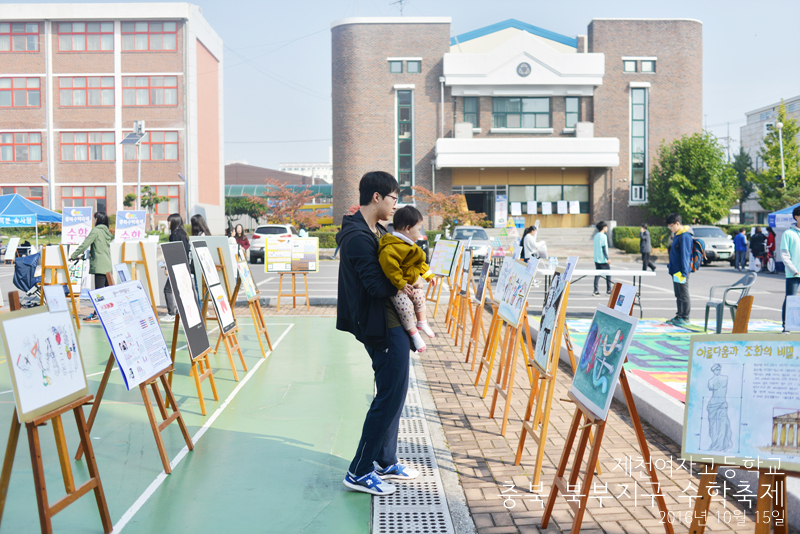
(222, 307)
(132, 330)
(44, 360)
(246, 277)
(483, 281)
(550, 313)
(130, 225)
(513, 286)
(602, 358)
(76, 223)
(742, 401)
(292, 255)
(466, 274)
(444, 256)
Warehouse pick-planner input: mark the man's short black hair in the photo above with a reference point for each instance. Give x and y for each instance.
(796, 211)
(373, 182)
(742, 230)
(406, 217)
(644, 225)
(674, 218)
(100, 217)
(600, 226)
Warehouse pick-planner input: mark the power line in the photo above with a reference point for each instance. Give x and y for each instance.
(287, 41)
(272, 142)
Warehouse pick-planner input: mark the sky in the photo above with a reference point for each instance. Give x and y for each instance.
(277, 58)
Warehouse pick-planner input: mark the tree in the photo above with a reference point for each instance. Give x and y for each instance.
(772, 195)
(452, 209)
(743, 166)
(692, 178)
(236, 206)
(149, 201)
(283, 203)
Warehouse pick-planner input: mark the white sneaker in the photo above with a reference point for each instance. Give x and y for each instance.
(169, 318)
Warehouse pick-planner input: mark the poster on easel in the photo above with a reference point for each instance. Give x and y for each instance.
(133, 331)
(625, 299)
(218, 298)
(513, 286)
(11, 250)
(133, 252)
(250, 289)
(291, 255)
(466, 275)
(44, 360)
(742, 402)
(76, 223)
(130, 225)
(550, 313)
(215, 244)
(444, 257)
(602, 358)
(482, 280)
(180, 277)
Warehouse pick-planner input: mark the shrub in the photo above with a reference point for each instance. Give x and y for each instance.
(432, 236)
(659, 235)
(326, 239)
(630, 244)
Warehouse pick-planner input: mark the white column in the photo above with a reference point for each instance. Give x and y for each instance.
(50, 94)
(118, 115)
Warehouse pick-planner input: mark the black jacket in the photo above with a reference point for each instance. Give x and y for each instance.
(363, 288)
(644, 244)
(758, 244)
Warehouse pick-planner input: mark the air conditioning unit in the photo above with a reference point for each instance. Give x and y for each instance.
(463, 130)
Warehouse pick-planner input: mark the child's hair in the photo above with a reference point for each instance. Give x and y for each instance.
(406, 217)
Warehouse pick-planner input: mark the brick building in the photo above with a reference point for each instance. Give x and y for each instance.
(74, 78)
(518, 119)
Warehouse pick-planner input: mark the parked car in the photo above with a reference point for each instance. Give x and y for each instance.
(719, 245)
(259, 238)
(422, 242)
(481, 245)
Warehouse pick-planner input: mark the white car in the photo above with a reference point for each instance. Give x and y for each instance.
(259, 239)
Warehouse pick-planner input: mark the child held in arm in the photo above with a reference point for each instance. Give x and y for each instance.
(403, 263)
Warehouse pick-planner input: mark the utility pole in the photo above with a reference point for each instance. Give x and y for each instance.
(729, 142)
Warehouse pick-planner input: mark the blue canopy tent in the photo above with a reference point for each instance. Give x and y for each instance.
(782, 218)
(17, 211)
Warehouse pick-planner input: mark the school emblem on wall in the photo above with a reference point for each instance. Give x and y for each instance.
(523, 69)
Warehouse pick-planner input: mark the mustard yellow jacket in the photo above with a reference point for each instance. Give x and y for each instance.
(402, 263)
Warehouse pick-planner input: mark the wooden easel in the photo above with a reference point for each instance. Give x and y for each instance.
(229, 338)
(200, 370)
(437, 290)
(294, 294)
(576, 501)
(477, 323)
(453, 284)
(256, 312)
(132, 264)
(53, 280)
(220, 268)
(46, 511)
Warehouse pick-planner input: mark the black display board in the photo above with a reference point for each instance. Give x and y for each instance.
(179, 272)
(219, 299)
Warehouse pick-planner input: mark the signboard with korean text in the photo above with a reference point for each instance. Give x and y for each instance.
(130, 225)
(500, 210)
(291, 255)
(444, 257)
(742, 401)
(76, 224)
(13, 221)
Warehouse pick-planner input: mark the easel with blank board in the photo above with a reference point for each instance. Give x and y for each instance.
(56, 264)
(294, 294)
(465, 304)
(128, 258)
(453, 283)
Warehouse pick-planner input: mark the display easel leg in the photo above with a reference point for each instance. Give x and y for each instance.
(38, 478)
(97, 398)
(231, 344)
(166, 419)
(91, 466)
(280, 288)
(8, 461)
(489, 350)
(260, 325)
(294, 293)
(201, 370)
(501, 363)
(305, 282)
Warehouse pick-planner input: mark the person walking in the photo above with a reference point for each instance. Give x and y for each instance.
(601, 257)
(740, 249)
(199, 226)
(680, 259)
(364, 310)
(177, 233)
(645, 247)
(790, 255)
(242, 241)
(99, 244)
(302, 232)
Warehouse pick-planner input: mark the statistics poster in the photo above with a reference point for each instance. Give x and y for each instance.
(444, 257)
(292, 255)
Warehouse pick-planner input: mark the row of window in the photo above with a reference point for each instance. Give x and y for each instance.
(92, 91)
(549, 193)
(91, 36)
(412, 66)
(88, 146)
(94, 196)
(518, 112)
(638, 65)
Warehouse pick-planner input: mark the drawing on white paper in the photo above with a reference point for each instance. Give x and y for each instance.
(209, 268)
(184, 283)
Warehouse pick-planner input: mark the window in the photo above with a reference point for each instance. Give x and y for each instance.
(549, 193)
(34, 194)
(19, 36)
(472, 111)
(413, 67)
(19, 92)
(573, 111)
(143, 36)
(405, 140)
(638, 143)
(155, 146)
(629, 65)
(395, 67)
(648, 66)
(521, 112)
(85, 36)
(90, 91)
(20, 146)
(168, 206)
(84, 196)
(150, 91)
(87, 146)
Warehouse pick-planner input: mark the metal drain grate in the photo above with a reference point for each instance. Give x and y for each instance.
(418, 506)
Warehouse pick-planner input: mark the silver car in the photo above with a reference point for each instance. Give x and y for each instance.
(719, 245)
(481, 244)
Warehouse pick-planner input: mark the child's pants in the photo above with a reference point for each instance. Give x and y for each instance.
(407, 310)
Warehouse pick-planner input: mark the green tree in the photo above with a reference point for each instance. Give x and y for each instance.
(772, 194)
(238, 206)
(743, 165)
(692, 178)
(149, 201)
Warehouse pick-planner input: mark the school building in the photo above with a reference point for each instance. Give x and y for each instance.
(518, 119)
(74, 78)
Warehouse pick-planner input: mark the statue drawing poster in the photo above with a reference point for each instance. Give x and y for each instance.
(742, 401)
(550, 312)
(602, 358)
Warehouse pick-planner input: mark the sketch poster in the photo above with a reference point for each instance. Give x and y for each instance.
(223, 308)
(444, 256)
(44, 360)
(512, 290)
(206, 262)
(550, 313)
(183, 281)
(483, 281)
(742, 401)
(602, 358)
(465, 271)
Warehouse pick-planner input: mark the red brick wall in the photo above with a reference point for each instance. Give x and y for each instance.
(208, 126)
(24, 62)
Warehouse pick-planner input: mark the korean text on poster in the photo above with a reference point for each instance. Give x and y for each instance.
(76, 224)
(130, 225)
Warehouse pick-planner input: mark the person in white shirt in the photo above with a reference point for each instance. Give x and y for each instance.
(530, 247)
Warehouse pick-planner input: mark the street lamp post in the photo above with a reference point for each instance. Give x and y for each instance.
(779, 126)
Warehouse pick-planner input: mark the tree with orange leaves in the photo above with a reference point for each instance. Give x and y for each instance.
(283, 204)
(450, 208)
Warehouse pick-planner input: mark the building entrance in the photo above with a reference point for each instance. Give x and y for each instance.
(481, 202)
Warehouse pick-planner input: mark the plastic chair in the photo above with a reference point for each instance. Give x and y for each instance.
(743, 286)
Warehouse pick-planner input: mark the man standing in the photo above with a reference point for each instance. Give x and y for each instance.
(365, 311)
(790, 255)
(680, 259)
(601, 256)
(758, 247)
(740, 249)
(645, 247)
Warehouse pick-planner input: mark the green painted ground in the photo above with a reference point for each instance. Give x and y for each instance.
(272, 461)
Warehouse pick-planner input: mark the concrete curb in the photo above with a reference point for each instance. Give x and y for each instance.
(301, 301)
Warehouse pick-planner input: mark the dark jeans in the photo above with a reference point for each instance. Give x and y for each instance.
(605, 267)
(646, 262)
(100, 281)
(172, 307)
(684, 302)
(741, 259)
(791, 289)
(379, 435)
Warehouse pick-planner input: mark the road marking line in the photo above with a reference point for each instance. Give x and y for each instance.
(151, 489)
(266, 280)
(702, 297)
